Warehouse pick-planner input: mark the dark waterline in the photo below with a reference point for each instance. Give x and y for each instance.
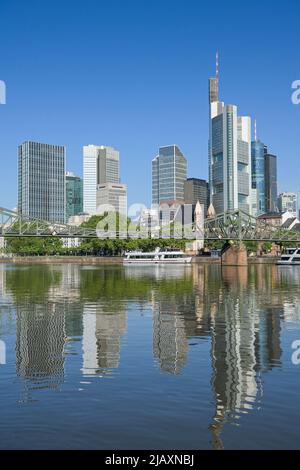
(108, 357)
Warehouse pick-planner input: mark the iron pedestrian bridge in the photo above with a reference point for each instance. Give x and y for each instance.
(235, 226)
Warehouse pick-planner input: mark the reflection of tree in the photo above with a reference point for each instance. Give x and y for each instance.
(115, 287)
(31, 282)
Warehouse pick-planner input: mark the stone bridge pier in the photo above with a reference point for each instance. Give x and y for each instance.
(234, 255)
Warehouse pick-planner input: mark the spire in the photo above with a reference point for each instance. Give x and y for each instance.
(211, 213)
(217, 66)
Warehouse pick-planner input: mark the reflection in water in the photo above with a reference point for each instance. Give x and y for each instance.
(101, 339)
(239, 310)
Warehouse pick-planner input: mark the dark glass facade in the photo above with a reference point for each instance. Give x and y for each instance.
(271, 182)
(74, 195)
(196, 190)
(258, 174)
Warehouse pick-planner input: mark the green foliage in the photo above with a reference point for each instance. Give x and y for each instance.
(29, 246)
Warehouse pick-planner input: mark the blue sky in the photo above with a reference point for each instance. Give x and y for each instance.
(133, 74)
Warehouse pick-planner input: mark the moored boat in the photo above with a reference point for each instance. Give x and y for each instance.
(156, 257)
(290, 257)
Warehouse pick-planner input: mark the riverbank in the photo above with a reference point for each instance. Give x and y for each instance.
(110, 260)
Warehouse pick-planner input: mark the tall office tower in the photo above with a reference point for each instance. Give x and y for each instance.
(230, 163)
(229, 155)
(258, 176)
(288, 202)
(114, 195)
(196, 190)
(271, 182)
(100, 166)
(169, 171)
(74, 195)
(41, 181)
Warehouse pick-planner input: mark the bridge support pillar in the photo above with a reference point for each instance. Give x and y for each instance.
(235, 255)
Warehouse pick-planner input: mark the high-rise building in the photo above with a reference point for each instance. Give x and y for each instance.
(108, 165)
(169, 173)
(288, 202)
(230, 160)
(74, 195)
(258, 177)
(196, 190)
(100, 166)
(229, 154)
(271, 182)
(41, 181)
(114, 195)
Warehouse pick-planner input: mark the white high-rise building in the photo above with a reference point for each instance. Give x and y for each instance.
(100, 166)
(288, 202)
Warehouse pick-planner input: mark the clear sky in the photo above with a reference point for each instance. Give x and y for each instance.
(133, 74)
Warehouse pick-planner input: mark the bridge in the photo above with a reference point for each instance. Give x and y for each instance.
(234, 226)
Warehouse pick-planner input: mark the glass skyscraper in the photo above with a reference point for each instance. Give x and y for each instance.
(271, 182)
(74, 195)
(169, 172)
(196, 190)
(41, 181)
(229, 155)
(230, 160)
(258, 175)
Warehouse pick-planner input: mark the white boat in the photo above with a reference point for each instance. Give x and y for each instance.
(290, 257)
(156, 257)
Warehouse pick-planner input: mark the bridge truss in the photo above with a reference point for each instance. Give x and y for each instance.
(235, 226)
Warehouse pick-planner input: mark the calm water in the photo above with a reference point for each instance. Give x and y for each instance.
(176, 357)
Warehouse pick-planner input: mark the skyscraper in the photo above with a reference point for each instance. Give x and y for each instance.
(271, 182)
(41, 181)
(229, 155)
(100, 166)
(288, 202)
(114, 195)
(258, 175)
(196, 190)
(74, 195)
(169, 171)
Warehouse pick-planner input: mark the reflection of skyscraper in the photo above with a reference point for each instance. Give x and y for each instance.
(40, 341)
(245, 340)
(101, 339)
(170, 344)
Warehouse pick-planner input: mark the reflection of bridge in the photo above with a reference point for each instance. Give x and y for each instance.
(235, 226)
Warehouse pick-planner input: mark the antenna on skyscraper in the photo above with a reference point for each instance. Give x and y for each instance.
(217, 66)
